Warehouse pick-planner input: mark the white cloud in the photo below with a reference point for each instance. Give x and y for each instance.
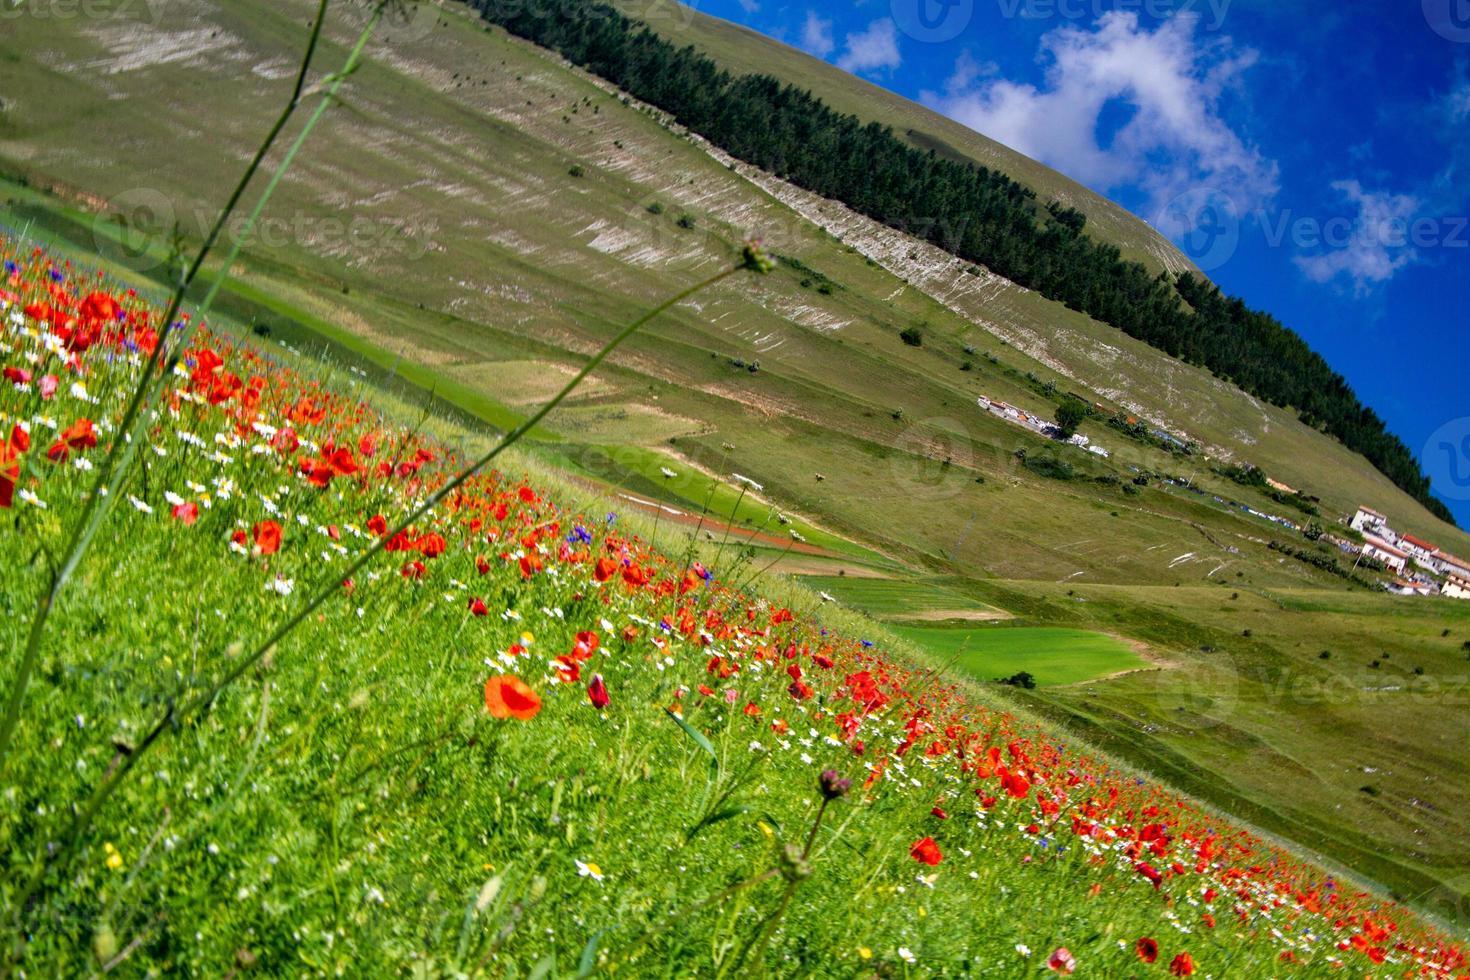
(1457, 103)
(1370, 248)
(1164, 88)
(816, 35)
(872, 49)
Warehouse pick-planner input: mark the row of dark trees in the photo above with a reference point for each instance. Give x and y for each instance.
(971, 211)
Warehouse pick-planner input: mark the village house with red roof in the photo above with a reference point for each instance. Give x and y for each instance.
(1382, 543)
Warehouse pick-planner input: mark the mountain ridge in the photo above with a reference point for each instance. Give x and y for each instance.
(1252, 348)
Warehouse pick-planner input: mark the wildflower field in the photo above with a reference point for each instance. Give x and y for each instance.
(516, 738)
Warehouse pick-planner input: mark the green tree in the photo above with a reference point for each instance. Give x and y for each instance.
(1070, 414)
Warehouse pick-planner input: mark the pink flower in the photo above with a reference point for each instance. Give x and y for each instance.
(48, 386)
(1061, 961)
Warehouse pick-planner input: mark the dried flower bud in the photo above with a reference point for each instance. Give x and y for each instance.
(755, 257)
(832, 785)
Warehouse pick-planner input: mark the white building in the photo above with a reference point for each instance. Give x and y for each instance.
(1456, 587)
(1381, 550)
(1403, 587)
(1450, 565)
(1420, 550)
(1369, 521)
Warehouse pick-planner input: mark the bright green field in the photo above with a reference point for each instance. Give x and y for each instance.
(1053, 656)
(900, 598)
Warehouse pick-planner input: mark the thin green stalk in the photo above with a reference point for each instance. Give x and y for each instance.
(734, 511)
(85, 527)
(770, 565)
(177, 715)
(796, 869)
(816, 825)
(328, 97)
(685, 912)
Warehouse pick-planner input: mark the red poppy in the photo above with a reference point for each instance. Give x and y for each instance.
(378, 524)
(568, 669)
(78, 435)
(10, 452)
(1182, 966)
(597, 692)
(285, 442)
(186, 513)
(100, 308)
(926, 851)
(751, 709)
(1016, 785)
(606, 569)
(267, 535)
(478, 608)
(509, 697)
(1147, 949)
(431, 545)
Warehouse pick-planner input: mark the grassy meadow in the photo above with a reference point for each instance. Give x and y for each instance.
(506, 736)
(348, 803)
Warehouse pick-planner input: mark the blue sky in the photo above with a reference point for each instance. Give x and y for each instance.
(1313, 162)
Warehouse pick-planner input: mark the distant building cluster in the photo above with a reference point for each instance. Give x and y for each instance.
(1037, 424)
(1433, 572)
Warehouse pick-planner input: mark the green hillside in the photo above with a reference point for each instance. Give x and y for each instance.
(748, 52)
(507, 212)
